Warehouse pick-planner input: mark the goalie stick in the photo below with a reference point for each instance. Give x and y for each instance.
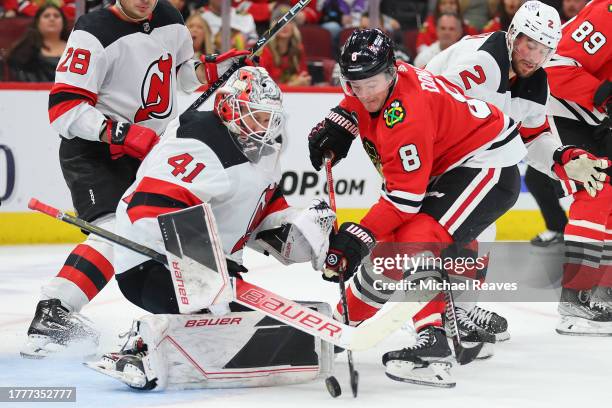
(354, 375)
(263, 40)
(287, 311)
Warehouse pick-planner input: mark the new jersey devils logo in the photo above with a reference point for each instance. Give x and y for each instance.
(258, 216)
(156, 91)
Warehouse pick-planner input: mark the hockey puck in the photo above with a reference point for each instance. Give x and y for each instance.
(333, 386)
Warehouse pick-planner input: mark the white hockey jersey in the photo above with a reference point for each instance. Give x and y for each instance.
(480, 66)
(197, 162)
(126, 71)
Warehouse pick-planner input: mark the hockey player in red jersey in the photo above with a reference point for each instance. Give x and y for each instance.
(229, 159)
(505, 69)
(449, 169)
(114, 94)
(580, 76)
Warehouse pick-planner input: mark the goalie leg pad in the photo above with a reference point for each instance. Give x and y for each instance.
(240, 349)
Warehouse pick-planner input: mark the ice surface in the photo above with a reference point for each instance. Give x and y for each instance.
(536, 368)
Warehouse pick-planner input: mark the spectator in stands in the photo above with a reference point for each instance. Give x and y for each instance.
(449, 30)
(478, 12)
(30, 7)
(35, 57)
(337, 15)
(284, 56)
(505, 11)
(388, 24)
(569, 8)
(181, 6)
(241, 23)
(8, 8)
(427, 33)
(201, 35)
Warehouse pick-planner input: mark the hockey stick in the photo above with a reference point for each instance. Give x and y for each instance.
(463, 355)
(263, 40)
(354, 375)
(292, 313)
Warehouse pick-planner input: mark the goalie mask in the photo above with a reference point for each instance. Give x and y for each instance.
(250, 105)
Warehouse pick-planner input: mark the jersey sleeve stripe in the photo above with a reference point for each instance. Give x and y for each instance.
(64, 97)
(61, 108)
(91, 97)
(154, 196)
(406, 206)
(528, 134)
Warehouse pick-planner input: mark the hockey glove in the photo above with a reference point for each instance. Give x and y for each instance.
(572, 163)
(347, 248)
(127, 138)
(603, 97)
(334, 134)
(215, 65)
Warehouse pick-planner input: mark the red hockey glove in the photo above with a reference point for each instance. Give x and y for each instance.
(572, 163)
(347, 248)
(215, 65)
(130, 139)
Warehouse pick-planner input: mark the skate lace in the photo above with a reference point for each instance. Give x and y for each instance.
(134, 344)
(464, 319)
(601, 307)
(422, 340)
(480, 315)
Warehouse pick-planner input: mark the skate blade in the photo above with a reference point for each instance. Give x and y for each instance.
(132, 380)
(38, 347)
(487, 351)
(436, 374)
(578, 326)
(503, 336)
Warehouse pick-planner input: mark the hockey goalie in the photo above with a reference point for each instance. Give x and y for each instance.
(196, 336)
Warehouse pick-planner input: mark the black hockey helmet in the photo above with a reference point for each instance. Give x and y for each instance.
(366, 53)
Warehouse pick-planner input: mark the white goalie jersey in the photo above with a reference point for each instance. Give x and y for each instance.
(480, 65)
(198, 162)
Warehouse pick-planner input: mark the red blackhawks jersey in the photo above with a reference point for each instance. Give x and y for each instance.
(122, 70)
(426, 128)
(582, 62)
(480, 66)
(197, 162)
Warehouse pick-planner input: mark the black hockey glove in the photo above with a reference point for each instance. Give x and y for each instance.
(603, 96)
(347, 248)
(334, 134)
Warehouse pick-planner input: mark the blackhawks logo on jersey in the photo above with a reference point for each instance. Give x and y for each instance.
(370, 149)
(394, 114)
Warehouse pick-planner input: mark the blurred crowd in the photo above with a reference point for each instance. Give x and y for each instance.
(303, 53)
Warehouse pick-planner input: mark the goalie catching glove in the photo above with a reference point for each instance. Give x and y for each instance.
(304, 237)
(572, 163)
(333, 134)
(347, 248)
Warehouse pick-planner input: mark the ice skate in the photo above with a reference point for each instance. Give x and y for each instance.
(472, 334)
(54, 328)
(425, 363)
(581, 315)
(490, 322)
(126, 365)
